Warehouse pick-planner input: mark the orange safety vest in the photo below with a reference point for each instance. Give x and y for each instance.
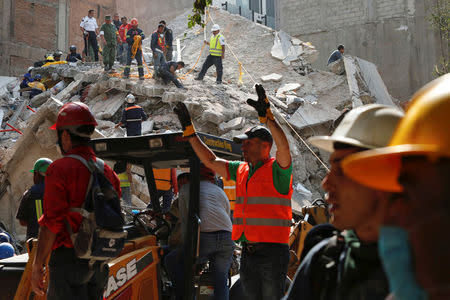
(229, 187)
(163, 179)
(261, 212)
(161, 41)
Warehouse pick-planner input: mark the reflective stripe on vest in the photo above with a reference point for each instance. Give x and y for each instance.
(261, 212)
(163, 179)
(215, 48)
(132, 107)
(38, 204)
(124, 182)
(229, 187)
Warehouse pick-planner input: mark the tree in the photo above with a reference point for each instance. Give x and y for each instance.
(199, 11)
(440, 21)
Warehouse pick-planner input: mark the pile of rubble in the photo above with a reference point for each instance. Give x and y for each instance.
(306, 102)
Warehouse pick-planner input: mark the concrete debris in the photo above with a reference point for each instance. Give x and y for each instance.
(308, 100)
(337, 67)
(272, 77)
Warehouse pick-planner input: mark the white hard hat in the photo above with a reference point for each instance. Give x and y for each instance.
(30, 68)
(215, 27)
(368, 126)
(130, 98)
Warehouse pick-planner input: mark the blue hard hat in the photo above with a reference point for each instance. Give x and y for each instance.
(4, 237)
(37, 77)
(6, 250)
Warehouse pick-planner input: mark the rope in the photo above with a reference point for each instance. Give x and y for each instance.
(290, 126)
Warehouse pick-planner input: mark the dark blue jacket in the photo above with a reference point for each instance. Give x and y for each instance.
(73, 57)
(26, 79)
(132, 118)
(154, 41)
(131, 33)
(169, 36)
(30, 209)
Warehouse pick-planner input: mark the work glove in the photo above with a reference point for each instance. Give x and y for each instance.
(262, 106)
(185, 119)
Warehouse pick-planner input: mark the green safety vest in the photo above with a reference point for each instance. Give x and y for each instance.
(38, 203)
(124, 182)
(215, 48)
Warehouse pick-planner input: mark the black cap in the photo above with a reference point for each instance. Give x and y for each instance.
(255, 132)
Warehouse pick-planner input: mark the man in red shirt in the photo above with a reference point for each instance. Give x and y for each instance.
(66, 183)
(123, 46)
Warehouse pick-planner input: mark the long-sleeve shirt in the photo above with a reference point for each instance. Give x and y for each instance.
(334, 56)
(154, 42)
(131, 33)
(66, 181)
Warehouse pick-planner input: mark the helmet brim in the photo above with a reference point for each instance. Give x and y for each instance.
(380, 168)
(327, 142)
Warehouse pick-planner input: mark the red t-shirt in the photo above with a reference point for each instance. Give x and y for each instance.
(123, 32)
(66, 182)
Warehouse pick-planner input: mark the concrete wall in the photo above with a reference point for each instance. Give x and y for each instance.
(149, 13)
(393, 34)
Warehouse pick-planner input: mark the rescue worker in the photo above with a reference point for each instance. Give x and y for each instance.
(27, 78)
(131, 33)
(66, 183)
(37, 87)
(57, 55)
(166, 186)
(117, 21)
(159, 47)
(262, 214)
(167, 72)
(336, 55)
(47, 58)
(412, 244)
(123, 171)
(132, 117)
(109, 36)
(216, 54)
(89, 28)
(229, 187)
(30, 208)
(123, 45)
(73, 56)
(356, 271)
(168, 34)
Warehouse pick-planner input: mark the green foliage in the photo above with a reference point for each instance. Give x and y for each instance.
(439, 19)
(199, 11)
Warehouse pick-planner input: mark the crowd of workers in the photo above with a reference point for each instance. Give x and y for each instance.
(386, 166)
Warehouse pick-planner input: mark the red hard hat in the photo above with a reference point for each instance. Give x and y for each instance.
(134, 22)
(74, 114)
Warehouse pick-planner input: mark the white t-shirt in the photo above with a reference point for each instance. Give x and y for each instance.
(214, 207)
(221, 40)
(89, 24)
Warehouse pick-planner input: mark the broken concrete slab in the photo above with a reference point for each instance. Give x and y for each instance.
(68, 91)
(172, 97)
(288, 87)
(106, 108)
(352, 71)
(147, 126)
(213, 116)
(234, 124)
(40, 99)
(272, 77)
(281, 45)
(337, 67)
(278, 102)
(46, 138)
(312, 114)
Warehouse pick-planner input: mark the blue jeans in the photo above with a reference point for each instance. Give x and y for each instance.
(122, 52)
(158, 60)
(217, 247)
(138, 58)
(263, 270)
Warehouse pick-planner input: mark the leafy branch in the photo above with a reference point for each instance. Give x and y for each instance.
(199, 11)
(440, 21)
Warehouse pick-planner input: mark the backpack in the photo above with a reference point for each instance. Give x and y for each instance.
(101, 235)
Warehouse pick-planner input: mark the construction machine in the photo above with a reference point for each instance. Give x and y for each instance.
(137, 273)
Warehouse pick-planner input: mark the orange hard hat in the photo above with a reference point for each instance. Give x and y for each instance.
(425, 130)
(134, 22)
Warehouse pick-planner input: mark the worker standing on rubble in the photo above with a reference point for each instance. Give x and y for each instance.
(336, 55)
(123, 171)
(166, 187)
(73, 56)
(134, 37)
(354, 208)
(216, 54)
(123, 45)
(159, 47)
(132, 117)
(37, 87)
(30, 208)
(109, 36)
(413, 242)
(168, 34)
(89, 28)
(167, 72)
(66, 183)
(262, 214)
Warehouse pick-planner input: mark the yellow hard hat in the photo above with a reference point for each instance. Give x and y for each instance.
(425, 130)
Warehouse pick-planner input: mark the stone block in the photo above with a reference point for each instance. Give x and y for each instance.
(312, 114)
(234, 124)
(281, 45)
(40, 99)
(147, 126)
(106, 108)
(171, 97)
(288, 87)
(213, 116)
(337, 67)
(46, 137)
(272, 77)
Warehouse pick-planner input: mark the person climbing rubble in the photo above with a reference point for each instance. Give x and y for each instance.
(167, 73)
(30, 208)
(355, 210)
(66, 183)
(168, 34)
(37, 87)
(109, 36)
(26, 79)
(132, 117)
(134, 37)
(216, 54)
(413, 243)
(262, 214)
(89, 28)
(73, 56)
(336, 55)
(159, 47)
